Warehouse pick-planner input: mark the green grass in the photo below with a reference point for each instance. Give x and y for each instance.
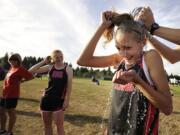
(175, 89)
(88, 107)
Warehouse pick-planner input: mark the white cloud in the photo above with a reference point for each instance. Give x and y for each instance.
(36, 27)
(173, 68)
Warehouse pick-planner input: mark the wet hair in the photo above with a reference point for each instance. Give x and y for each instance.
(132, 27)
(16, 57)
(54, 53)
(126, 24)
(136, 11)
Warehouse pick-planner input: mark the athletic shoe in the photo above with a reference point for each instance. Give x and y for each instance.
(2, 132)
(7, 133)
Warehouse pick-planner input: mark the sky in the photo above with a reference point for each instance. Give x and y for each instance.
(37, 27)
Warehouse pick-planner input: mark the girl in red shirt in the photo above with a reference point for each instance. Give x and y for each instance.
(11, 92)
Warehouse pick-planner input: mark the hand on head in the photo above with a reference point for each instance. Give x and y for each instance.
(47, 60)
(106, 18)
(146, 15)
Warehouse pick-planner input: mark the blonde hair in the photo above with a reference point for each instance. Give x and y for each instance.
(125, 23)
(54, 53)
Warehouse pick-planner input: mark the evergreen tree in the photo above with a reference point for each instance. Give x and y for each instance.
(4, 62)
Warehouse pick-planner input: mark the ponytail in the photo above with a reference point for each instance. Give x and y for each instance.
(116, 19)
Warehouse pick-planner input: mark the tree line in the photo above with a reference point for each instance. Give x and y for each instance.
(81, 72)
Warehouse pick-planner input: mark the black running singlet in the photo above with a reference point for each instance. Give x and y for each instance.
(55, 92)
(131, 112)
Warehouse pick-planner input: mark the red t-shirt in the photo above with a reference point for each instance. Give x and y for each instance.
(11, 87)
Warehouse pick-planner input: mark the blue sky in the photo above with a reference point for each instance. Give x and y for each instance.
(36, 27)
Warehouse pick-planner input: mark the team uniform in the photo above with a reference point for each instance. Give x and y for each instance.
(131, 112)
(54, 95)
(11, 87)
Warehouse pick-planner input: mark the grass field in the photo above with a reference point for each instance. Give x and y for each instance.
(88, 108)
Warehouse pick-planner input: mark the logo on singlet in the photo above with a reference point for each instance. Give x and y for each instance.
(127, 87)
(57, 74)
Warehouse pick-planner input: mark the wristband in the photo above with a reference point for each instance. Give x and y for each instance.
(154, 27)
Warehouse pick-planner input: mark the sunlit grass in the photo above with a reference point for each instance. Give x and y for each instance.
(86, 112)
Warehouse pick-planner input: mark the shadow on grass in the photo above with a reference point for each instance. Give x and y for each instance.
(75, 119)
(29, 99)
(28, 113)
(176, 112)
(80, 120)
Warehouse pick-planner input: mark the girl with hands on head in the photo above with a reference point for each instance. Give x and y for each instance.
(135, 102)
(57, 95)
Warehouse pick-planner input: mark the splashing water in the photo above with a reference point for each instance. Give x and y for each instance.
(131, 125)
(103, 125)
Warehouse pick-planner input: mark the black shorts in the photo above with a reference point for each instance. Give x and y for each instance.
(51, 104)
(8, 103)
